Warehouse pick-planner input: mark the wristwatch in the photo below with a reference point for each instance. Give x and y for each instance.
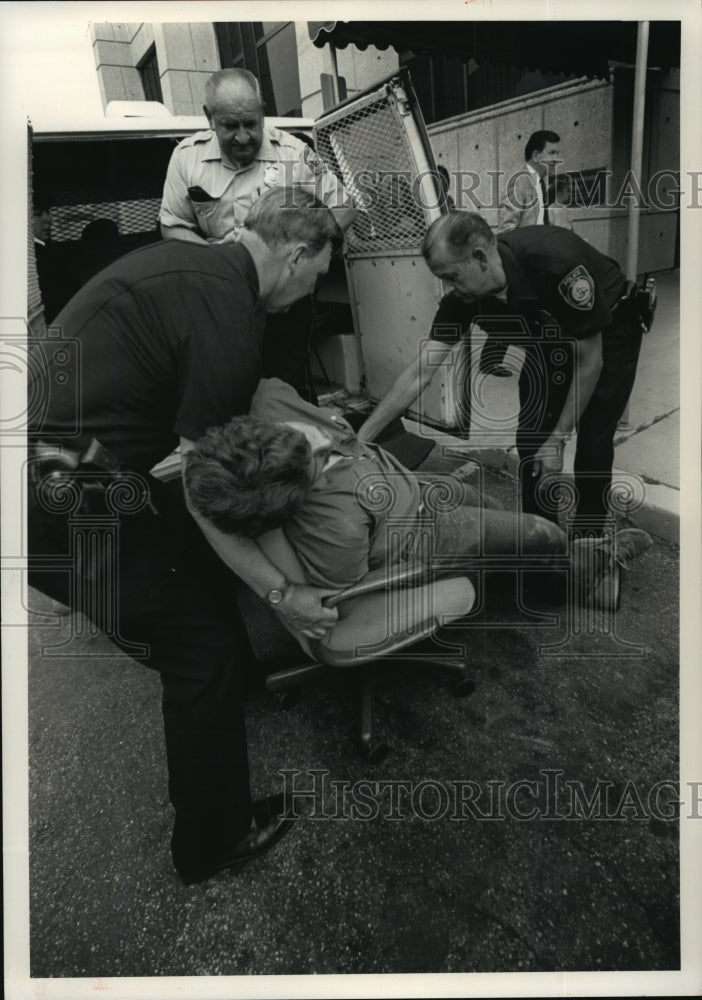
(278, 594)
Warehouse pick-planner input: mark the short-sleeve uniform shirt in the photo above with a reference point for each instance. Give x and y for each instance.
(205, 193)
(165, 342)
(549, 270)
(559, 290)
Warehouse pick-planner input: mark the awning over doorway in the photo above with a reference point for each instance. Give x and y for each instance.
(580, 48)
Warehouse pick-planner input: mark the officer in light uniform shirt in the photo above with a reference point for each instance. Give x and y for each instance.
(215, 176)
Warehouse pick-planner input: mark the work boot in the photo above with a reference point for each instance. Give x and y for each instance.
(596, 565)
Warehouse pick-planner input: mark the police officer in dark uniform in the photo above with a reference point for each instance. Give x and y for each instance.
(581, 352)
(161, 345)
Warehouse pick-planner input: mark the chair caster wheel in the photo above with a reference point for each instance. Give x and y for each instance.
(286, 699)
(375, 752)
(464, 687)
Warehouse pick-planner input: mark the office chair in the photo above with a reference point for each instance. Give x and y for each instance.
(380, 619)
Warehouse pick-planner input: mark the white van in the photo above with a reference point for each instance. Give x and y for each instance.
(373, 310)
(112, 168)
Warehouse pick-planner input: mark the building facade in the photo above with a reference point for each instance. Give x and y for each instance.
(478, 116)
(171, 62)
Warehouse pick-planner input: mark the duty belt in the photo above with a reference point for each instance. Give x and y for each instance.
(93, 471)
(638, 303)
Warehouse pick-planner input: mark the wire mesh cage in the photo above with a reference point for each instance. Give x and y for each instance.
(71, 213)
(116, 178)
(368, 146)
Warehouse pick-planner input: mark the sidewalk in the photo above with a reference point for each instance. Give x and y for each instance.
(647, 448)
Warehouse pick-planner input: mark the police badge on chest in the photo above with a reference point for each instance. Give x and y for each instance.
(271, 175)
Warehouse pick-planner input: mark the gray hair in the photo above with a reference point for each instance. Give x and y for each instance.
(460, 232)
(293, 215)
(232, 75)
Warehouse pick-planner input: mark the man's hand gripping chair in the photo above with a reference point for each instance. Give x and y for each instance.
(383, 615)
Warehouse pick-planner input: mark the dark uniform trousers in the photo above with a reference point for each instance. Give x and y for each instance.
(172, 592)
(543, 386)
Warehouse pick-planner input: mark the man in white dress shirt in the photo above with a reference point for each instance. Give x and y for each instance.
(525, 204)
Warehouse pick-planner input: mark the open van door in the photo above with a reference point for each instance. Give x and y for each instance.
(109, 171)
(98, 183)
(378, 145)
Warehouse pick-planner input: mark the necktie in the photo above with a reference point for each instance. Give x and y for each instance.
(543, 195)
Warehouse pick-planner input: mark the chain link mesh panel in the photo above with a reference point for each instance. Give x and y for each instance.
(70, 215)
(367, 148)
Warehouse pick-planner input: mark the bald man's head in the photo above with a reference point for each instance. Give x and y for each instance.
(461, 250)
(235, 111)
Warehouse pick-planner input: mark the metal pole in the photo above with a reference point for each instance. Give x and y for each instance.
(335, 72)
(637, 146)
(632, 255)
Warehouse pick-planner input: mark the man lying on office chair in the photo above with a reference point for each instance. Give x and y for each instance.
(348, 507)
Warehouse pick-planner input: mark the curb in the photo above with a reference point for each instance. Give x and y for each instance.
(659, 513)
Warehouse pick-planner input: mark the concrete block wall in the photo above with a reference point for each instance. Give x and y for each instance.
(594, 122)
(490, 143)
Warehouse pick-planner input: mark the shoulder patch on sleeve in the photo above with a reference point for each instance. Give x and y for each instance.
(578, 288)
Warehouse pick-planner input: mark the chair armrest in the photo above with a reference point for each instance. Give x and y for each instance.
(381, 622)
(386, 578)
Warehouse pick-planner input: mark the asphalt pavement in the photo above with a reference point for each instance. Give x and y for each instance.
(531, 830)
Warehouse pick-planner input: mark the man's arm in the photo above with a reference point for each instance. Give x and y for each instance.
(403, 392)
(301, 607)
(177, 218)
(520, 196)
(181, 233)
(587, 365)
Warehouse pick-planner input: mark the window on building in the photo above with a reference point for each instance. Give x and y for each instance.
(268, 49)
(446, 85)
(150, 78)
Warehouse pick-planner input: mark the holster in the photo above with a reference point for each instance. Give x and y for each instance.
(646, 299)
(92, 471)
(639, 302)
(90, 489)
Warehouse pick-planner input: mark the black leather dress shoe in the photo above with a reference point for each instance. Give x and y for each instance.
(267, 826)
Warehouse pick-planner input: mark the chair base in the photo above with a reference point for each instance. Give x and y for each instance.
(373, 748)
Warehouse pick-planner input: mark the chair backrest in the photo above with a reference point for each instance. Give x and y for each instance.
(384, 614)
